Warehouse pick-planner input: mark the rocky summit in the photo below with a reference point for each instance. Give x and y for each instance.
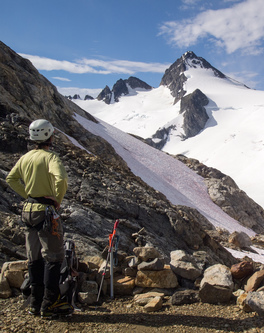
(174, 76)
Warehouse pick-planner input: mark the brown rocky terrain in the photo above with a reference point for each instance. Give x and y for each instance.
(120, 315)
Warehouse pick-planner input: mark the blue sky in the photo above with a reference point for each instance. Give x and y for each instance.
(88, 44)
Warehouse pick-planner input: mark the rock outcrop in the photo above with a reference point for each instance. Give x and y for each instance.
(194, 113)
(105, 95)
(226, 194)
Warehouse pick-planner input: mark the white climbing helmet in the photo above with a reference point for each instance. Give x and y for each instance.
(40, 130)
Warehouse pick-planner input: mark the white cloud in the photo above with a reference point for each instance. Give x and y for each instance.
(190, 2)
(96, 66)
(238, 27)
(61, 78)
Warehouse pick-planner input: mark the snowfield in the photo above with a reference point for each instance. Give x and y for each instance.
(177, 182)
(232, 141)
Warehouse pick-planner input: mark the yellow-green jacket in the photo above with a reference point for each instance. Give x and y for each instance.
(39, 173)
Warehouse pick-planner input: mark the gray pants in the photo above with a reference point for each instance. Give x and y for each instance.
(45, 252)
(42, 243)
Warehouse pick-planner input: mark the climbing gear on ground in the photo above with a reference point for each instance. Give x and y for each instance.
(112, 239)
(69, 275)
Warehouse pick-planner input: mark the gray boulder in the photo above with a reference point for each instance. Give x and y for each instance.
(184, 265)
(255, 300)
(217, 285)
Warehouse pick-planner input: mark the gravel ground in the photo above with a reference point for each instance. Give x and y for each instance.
(121, 315)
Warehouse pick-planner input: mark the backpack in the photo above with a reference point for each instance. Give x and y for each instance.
(69, 274)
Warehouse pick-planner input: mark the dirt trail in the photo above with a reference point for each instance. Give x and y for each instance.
(121, 315)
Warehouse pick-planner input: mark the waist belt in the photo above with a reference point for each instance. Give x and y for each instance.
(41, 200)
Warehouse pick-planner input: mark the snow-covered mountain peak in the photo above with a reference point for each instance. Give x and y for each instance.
(230, 137)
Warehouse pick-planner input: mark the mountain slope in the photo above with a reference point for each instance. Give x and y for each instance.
(232, 138)
(101, 185)
(165, 174)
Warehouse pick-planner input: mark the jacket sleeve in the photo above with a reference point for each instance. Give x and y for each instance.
(57, 169)
(14, 180)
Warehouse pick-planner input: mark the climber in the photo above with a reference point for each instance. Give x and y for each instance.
(40, 177)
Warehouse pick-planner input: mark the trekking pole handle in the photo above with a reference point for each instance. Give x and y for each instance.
(116, 224)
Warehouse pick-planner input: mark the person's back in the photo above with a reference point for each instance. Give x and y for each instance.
(40, 170)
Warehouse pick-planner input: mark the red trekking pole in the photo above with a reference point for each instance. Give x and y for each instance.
(109, 256)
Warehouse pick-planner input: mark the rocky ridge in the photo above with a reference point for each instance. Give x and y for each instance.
(121, 88)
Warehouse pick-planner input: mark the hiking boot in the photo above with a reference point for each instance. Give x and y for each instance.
(59, 308)
(35, 311)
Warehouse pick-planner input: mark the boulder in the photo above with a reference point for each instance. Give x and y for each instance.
(185, 297)
(184, 265)
(150, 294)
(146, 253)
(154, 265)
(241, 302)
(242, 269)
(143, 299)
(14, 278)
(255, 281)
(89, 286)
(216, 285)
(20, 265)
(134, 262)
(93, 262)
(255, 300)
(87, 298)
(132, 272)
(123, 285)
(156, 279)
(5, 290)
(154, 305)
(240, 239)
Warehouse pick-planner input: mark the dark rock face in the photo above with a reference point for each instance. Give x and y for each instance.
(174, 79)
(195, 116)
(159, 139)
(88, 97)
(134, 83)
(105, 95)
(101, 186)
(120, 89)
